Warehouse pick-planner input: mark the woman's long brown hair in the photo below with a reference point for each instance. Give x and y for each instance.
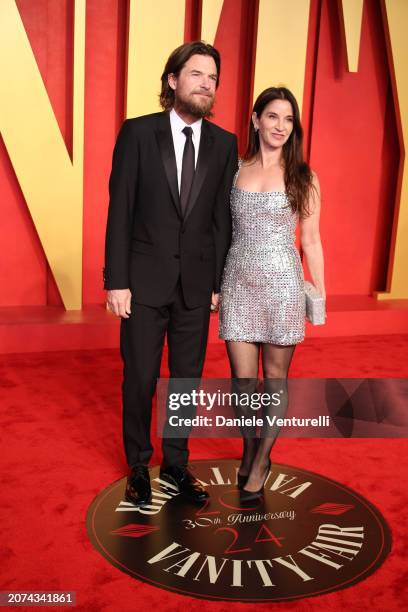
(298, 175)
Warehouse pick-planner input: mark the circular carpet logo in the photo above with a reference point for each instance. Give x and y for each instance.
(309, 535)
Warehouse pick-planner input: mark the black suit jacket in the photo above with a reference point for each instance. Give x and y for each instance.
(148, 242)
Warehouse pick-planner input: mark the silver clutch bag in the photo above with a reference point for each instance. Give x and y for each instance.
(315, 305)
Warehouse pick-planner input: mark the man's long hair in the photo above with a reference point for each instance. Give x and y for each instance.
(176, 62)
(298, 175)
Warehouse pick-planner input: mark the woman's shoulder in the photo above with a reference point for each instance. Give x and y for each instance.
(245, 162)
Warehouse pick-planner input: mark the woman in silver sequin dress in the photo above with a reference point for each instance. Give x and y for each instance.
(262, 308)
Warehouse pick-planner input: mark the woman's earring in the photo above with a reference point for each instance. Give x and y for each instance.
(255, 128)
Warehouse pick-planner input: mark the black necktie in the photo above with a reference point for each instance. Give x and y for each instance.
(187, 169)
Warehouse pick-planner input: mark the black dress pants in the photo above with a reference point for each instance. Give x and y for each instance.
(141, 344)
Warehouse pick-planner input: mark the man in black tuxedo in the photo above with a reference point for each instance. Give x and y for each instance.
(167, 236)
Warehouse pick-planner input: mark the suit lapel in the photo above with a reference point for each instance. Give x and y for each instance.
(166, 146)
(204, 156)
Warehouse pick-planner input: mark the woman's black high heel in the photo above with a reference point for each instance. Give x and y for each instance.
(241, 480)
(246, 496)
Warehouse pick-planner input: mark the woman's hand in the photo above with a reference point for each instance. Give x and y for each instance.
(215, 302)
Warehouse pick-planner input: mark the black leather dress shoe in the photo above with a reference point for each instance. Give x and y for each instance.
(138, 490)
(187, 483)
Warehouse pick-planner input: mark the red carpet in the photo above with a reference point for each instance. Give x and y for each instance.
(61, 424)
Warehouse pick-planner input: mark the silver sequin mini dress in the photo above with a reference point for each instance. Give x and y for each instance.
(262, 291)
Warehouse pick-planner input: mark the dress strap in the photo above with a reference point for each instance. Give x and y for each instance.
(237, 172)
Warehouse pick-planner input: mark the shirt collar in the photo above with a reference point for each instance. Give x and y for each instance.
(178, 124)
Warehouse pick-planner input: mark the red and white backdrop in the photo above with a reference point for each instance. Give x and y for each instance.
(350, 120)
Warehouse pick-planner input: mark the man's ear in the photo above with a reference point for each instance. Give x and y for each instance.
(172, 80)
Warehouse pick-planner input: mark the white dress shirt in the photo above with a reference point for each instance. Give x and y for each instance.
(179, 139)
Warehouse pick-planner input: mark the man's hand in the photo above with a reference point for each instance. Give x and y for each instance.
(215, 301)
(119, 302)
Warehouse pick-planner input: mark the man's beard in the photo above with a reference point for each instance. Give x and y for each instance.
(188, 105)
